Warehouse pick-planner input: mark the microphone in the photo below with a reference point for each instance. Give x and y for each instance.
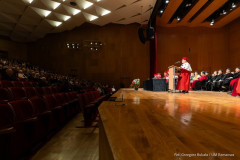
(177, 62)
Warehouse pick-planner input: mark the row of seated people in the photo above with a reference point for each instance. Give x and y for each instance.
(28, 119)
(15, 70)
(219, 81)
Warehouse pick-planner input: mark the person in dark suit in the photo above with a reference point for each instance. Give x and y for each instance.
(224, 79)
(215, 83)
(210, 81)
(208, 76)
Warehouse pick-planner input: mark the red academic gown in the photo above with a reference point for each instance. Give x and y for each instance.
(199, 79)
(184, 80)
(236, 89)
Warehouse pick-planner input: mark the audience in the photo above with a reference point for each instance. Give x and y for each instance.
(13, 70)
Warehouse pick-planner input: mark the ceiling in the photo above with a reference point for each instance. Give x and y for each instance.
(29, 20)
(197, 13)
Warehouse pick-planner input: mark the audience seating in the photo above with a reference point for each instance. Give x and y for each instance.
(6, 84)
(30, 92)
(18, 92)
(5, 95)
(6, 130)
(29, 114)
(18, 84)
(25, 125)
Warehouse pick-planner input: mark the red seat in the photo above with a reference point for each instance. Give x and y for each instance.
(57, 110)
(6, 130)
(30, 92)
(62, 101)
(26, 127)
(44, 114)
(55, 89)
(47, 90)
(18, 92)
(5, 95)
(27, 84)
(39, 91)
(17, 83)
(6, 84)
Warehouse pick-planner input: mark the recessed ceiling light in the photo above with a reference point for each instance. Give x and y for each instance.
(224, 12)
(161, 11)
(167, 1)
(54, 23)
(30, 1)
(178, 18)
(105, 12)
(87, 4)
(98, 0)
(76, 11)
(92, 17)
(55, 5)
(41, 12)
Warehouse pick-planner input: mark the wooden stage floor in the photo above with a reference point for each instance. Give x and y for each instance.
(168, 126)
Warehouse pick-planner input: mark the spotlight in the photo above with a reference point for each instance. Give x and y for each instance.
(96, 43)
(167, 1)
(91, 43)
(161, 11)
(91, 48)
(234, 5)
(224, 12)
(178, 18)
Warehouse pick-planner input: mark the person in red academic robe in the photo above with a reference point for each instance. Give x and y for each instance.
(196, 85)
(236, 88)
(183, 84)
(166, 76)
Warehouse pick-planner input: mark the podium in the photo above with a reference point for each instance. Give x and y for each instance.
(172, 74)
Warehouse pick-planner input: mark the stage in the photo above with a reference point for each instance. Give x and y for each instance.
(165, 126)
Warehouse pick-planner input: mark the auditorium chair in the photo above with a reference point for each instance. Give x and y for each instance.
(73, 100)
(44, 114)
(56, 109)
(6, 84)
(62, 101)
(26, 84)
(89, 109)
(18, 92)
(55, 89)
(17, 83)
(39, 91)
(26, 125)
(30, 91)
(7, 130)
(47, 90)
(5, 95)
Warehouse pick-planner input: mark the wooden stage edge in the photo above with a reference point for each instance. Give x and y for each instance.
(170, 126)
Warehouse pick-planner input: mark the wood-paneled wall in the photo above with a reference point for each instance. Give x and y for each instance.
(206, 48)
(123, 57)
(15, 50)
(234, 43)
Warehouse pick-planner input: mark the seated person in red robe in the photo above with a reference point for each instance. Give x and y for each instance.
(159, 76)
(234, 79)
(198, 84)
(183, 84)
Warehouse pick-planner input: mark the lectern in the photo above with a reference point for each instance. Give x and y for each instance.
(172, 74)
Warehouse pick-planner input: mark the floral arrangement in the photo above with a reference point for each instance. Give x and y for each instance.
(135, 84)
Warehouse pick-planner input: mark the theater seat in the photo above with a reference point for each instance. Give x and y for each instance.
(5, 95)
(44, 114)
(17, 83)
(30, 92)
(39, 91)
(62, 101)
(56, 109)
(18, 92)
(6, 84)
(47, 90)
(27, 84)
(26, 127)
(6, 130)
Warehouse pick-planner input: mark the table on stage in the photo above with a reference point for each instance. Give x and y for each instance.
(160, 125)
(155, 85)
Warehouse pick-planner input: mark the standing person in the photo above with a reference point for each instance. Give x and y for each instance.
(184, 78)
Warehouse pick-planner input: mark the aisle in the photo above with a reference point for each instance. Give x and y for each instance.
(71, 143)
